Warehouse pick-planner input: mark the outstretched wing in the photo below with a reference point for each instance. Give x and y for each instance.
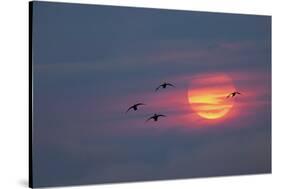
(149, 119)
(129, 108)
(229, 95)
(158, 87)
(138, 104)
(160, 115)
(169, 84)
(238, 93)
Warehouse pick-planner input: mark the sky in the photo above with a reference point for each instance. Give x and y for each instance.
(90, 63)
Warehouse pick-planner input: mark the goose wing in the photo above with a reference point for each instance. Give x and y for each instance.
(160, 115)
(158, 87)
(149, 118)
(138, 104)
(129, 108)
(169, 84)
(231, 94)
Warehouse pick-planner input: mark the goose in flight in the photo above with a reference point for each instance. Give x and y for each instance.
(164, 85)
(135, 107)
(233, 94)
(155, 117)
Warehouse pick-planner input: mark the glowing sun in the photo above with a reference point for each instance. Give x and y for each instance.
(207, 95)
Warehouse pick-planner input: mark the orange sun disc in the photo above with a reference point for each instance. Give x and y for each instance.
(207, 95)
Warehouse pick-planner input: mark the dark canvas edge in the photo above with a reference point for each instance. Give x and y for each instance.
(30, 159)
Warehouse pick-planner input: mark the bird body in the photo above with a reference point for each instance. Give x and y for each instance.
(155, 117)
(164, 86)
(135, 107)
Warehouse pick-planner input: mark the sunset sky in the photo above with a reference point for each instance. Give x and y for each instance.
(91, 63)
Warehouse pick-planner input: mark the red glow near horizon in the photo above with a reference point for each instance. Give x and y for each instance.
(197, 101)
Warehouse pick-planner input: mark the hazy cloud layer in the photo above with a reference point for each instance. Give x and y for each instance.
(92, 62)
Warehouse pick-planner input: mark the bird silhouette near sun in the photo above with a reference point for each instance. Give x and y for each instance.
(233, 94)
(210, 96)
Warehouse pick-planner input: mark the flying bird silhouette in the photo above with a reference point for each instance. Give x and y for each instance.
(135, 107)
(155, 117)
(233, 94)
(164, 85)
